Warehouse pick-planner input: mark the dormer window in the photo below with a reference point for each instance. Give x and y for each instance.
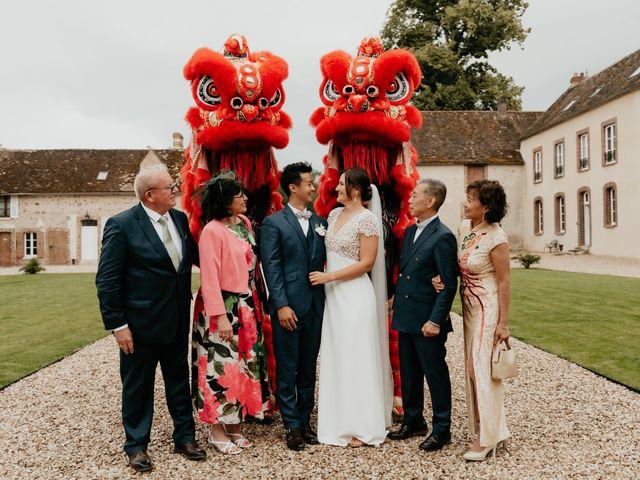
(595, 92)
(102, 175)
(635, 72)
(569, 105)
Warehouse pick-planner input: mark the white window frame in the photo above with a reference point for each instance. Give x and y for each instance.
(539, 217)
(612, 203)
(562, 221)
(537, 166)
(583, 140)
(8, 199)
(559, 157)
(30, 244)
(610, 143)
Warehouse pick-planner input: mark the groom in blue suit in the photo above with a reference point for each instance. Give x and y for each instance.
(291, 246)
(421, 316)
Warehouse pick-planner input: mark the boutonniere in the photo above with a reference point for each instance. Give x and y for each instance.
(320, 230)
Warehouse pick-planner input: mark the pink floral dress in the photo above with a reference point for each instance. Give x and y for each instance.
(229, 379)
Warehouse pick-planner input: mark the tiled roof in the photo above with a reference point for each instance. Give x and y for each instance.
(611, 83)
(471, 137)
(76, 171)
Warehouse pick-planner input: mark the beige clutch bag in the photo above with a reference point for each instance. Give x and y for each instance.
(503, 362)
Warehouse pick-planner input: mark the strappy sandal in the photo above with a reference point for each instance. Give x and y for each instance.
(226, 447)
(239, 439)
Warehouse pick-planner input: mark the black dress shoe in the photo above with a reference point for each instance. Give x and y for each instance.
(191, 450)
(295, 440)
(435, 441)
(308, 434)
(140, 461)
(407, 431)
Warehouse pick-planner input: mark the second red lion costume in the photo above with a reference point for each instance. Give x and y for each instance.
(366, 121)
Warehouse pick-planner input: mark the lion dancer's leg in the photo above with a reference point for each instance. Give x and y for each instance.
(405, 177)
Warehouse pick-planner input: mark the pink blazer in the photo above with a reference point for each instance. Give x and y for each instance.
(224, 264)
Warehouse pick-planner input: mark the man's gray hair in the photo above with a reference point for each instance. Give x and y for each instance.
(436, 189)
(147, 177)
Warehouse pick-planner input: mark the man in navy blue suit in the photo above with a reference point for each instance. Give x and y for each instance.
(291, 246)
(421, 316)
(144, 288)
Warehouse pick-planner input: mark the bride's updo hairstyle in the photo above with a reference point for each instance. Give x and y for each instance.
(358, 179)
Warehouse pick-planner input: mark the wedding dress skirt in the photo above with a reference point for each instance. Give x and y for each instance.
(352, 386)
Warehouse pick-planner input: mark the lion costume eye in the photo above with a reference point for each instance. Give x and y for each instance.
(207, 91)
(276, 99)
(398, 88)
(330, 92)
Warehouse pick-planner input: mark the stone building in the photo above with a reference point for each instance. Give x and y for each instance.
(583, 165)
(460, 147)
(54, 203)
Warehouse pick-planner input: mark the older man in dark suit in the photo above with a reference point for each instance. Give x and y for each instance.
(421, 315)
(144, 288)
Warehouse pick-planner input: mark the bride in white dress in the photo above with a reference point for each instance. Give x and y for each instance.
(355, 386)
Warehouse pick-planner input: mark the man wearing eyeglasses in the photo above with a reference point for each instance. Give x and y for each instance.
(144, 288)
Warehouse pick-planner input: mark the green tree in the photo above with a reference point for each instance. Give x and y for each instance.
(451, 40)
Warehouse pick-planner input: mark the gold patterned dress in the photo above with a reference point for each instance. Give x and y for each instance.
(480, 313)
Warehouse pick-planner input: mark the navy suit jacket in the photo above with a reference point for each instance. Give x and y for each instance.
(416, 301)
(136, 281)
(287, 262)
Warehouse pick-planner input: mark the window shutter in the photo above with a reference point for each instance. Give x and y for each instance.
(14, 206)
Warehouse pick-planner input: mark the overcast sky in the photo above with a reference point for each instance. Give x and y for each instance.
(95, 74)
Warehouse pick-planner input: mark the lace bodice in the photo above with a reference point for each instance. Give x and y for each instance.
(346, 241)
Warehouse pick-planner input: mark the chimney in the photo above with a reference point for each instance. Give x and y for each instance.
(177, 141)
(577, 78)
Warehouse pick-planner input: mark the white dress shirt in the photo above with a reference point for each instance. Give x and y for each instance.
(304, 223)
(421, 226)
(157, 226)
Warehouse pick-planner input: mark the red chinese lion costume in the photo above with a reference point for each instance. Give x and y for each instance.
(236, 124)
(366, 121)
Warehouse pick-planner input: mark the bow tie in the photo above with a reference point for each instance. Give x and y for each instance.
(306, 215)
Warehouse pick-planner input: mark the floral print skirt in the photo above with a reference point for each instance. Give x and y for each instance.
(229, 379)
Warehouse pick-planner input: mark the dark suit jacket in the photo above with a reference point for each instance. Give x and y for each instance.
(287, 261)
(416, 301)
(136, 281)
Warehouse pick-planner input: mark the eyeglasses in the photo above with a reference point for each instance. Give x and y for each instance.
(174, 185)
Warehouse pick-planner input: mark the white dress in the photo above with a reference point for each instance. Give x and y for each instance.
(355, 372)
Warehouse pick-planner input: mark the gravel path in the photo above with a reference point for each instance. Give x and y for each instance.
(63, 423)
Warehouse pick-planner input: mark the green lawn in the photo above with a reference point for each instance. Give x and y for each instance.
(45, 317)
(591, 320)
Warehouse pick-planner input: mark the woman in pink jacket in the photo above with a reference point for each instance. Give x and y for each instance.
(229, 363)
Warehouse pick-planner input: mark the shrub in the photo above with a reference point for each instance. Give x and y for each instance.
(32, 267)
(526, 259)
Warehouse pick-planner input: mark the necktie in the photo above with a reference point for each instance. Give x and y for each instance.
(168, 243)
(306, 214)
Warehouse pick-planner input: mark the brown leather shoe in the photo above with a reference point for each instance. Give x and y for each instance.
(140, 461)
(191, 450)
(310, 437)
(294, 438)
